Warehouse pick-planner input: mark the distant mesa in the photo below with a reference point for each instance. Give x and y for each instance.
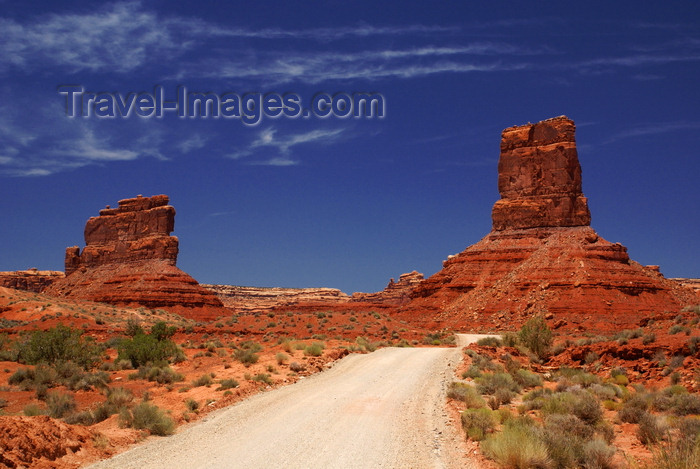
(129, 260)
(542, 257)
(33, 279)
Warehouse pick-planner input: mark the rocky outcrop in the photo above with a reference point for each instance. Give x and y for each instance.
(129, 260)
(693, 283)
(262, 299)
(541, 256)
(539, 178)
(31, 279)
(395, 293)
(137, 230)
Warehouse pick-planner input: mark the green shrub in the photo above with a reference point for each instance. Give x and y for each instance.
(650, 430)
(491, 341)
(59, 404)
(314, 350)
(488, 383)
(204, 380)
(581, 404)
(686, 404)
(478, 422)
(597, 454)
(225, 384)
(143, 349)
(32, 410)
(161, 373)
(262, 378)
(536, 336)
(634, 407)
(465, 393)
(517, 447)
(281, 358)
(527, 378)
(149, 417)
(247, 357)
(57, 344)
(191, 404)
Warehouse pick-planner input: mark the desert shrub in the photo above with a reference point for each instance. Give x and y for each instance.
(536, 336)
(488, 383)
(536, 398)
(246, 356)
(527, 378)
(509, 339)
(229, 383)
(250, 345)
(262, 378)
(501, 397)
(146, 348)
(491, 341)
(59, 404)
(651, 430)
(675, 456)
(693, 343)
(296, 367)
(28, 378)
(315, 349)
(191, 404)
(685, 404)
(204, 380)
(517, 447)
(32, 410)
(604, 391)
(634, 407)
(145, 416)
(281, 358)
(472, 372)
(478, 422)
(597, 454)
(161, 331)
(676, 328)
(465, 393)
(60, 343)
(581, 404)
(161, 373)
(649, 338)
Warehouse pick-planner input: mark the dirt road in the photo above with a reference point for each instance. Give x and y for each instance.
(381, 410)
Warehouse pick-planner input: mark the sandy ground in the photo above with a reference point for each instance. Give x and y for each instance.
(385, 409)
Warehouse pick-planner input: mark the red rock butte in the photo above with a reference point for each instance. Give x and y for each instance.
(129, 260)
(542, 257)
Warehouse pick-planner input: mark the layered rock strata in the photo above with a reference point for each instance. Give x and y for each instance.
(262, 299)
(31, 279)
(395, 293)
(542, 257)
(129, 260)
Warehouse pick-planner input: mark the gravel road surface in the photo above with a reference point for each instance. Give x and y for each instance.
(385, 409)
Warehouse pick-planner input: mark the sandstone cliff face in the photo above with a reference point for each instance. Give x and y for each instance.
(395, 293)
(539, 178)
(31, 279)
(129, 260)
(138, 229)
(541, 256)
(262, 299)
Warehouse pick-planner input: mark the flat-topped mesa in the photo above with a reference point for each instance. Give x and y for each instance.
(539, 177)
(138, 229)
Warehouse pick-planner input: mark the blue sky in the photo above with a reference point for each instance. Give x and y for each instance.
(346, 203)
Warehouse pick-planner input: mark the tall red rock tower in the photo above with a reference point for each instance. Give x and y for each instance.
(539, 177)
(542, 257)
(129, 259)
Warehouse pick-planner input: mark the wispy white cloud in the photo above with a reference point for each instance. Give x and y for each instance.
(117, 38)
(654, 129)
(195, 142)
(269, 139)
